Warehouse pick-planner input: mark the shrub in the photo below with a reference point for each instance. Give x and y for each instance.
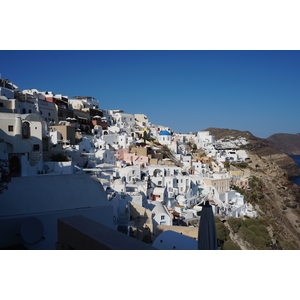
(255, 233)
(230, 245)
(247, 235)
(5, 176)
(261, 243)
(61, 156)
(222, 232)
(247, 222)
(287, 245)
(235, 224)
(217, 220)
(226, 165)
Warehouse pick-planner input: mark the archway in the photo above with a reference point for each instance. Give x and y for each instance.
(157, 173)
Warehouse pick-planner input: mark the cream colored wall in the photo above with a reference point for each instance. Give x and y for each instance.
(191, 232)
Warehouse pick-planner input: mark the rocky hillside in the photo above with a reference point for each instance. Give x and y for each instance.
(261, 147)
(273, 195)
(286, 143)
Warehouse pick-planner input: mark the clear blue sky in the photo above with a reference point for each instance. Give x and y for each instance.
(189, 91)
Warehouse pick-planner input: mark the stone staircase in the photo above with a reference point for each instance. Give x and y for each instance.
(34, 158)
(169, 155)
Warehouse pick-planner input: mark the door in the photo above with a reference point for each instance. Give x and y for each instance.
(15, 166)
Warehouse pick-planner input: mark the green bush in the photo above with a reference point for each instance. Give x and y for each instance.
(247, 222)
(222, 233)
(61, 156)
(248, 235)
(230, 245)
(261, 231)
(287, 245)
(217, 220)
(261, 243)
(255, 235)
(235, 224)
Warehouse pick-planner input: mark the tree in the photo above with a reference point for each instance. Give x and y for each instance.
(194, 148)
(226, 165)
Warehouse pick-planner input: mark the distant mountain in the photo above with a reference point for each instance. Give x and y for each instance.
(285, 142)
(220, 133)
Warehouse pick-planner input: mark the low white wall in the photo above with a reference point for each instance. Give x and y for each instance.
(62, 167)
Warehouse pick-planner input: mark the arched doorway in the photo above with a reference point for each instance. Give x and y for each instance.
(15, 166)
(157, 173)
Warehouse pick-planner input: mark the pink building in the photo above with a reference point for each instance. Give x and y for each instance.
(121, 152)
(132, 158)
(136, 160)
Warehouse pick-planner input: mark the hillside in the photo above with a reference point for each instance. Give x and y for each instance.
(261, 147)
(272, 194)
(286, 143)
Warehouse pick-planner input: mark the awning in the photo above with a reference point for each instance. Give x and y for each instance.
(81, 117)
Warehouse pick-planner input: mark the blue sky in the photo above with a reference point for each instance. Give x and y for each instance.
(189, 91)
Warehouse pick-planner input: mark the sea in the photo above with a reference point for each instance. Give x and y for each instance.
(296, 159)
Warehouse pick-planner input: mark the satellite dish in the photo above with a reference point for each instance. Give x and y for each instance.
(32, 230)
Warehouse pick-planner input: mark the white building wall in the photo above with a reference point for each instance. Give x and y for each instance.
(242, 155)
(130, 173)
(8, 93)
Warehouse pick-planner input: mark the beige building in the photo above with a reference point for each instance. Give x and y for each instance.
(221, 184)
(243, 183)
(67, 132)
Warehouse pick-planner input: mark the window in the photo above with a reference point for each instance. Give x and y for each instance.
(36, 147)
(163, 223)
(49, 114)
(30, 111)
(162, 217)
(10, 128)
(24, 111)
(1, 104)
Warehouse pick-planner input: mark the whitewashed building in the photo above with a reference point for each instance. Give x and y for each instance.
(130, 174)
(160, 214)
(22, 140)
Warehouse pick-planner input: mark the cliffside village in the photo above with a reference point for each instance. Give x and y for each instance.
(139, 177)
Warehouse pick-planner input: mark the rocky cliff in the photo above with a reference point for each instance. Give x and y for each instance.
(286, 143)
(273, 195)
(261, 147)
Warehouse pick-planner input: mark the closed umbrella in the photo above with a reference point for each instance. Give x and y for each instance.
(207, 234)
